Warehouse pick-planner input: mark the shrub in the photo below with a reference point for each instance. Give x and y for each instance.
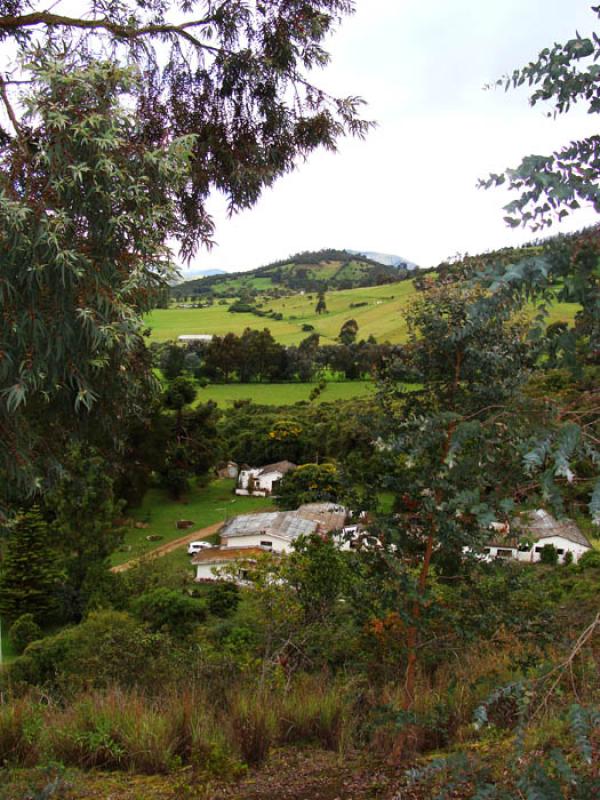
(549, 555)
(590, 560)
(24, 631)
(307, 326)
(109, 647)
(223, 598)
(166, 609)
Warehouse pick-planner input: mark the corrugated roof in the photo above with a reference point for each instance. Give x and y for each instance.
(541, 525)
(279, 466)
(282, 523)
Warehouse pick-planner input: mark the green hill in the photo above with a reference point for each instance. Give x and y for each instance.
(309, 271)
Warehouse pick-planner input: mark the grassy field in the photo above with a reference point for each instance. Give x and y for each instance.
(204, 505)
(383, 316)
(281, 394)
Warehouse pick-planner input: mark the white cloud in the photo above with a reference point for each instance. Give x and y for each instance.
(410, 188)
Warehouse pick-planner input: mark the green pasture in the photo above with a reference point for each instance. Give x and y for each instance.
(281, 394)
(205, 505)
(383, 316)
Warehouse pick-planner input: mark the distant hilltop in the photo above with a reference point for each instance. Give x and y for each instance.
(194, 274)
(387, 259)
(309, 271)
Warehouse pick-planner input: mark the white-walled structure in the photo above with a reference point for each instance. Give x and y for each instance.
(532, 531)
(262, 481)
(247, 537)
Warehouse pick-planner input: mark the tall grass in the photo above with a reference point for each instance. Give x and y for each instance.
(119, 729)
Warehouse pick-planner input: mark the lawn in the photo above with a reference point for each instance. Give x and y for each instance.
(205, 505)
(281, 394)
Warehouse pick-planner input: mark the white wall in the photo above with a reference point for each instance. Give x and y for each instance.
(263, 484)
(560, 544)
(280, 544)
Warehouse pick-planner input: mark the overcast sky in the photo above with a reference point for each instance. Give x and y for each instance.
(410, 187)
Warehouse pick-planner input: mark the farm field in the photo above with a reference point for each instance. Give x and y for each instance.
(205, 505)
(382, 316)
(281, 394)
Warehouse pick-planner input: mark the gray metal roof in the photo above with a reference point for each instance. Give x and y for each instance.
(541, 525)
(281, 523)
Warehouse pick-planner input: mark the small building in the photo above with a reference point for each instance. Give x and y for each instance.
(248, 536)
(262, 481)
(188, 338)
(531, 532)
(228, 470)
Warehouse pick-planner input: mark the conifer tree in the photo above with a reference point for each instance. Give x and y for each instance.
(30, 577)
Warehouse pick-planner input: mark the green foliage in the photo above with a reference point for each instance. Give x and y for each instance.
(107, 648)
(589, 560)
(348, 332)
(172, 361)
(310, 483)
(167, 610)
(30, 579)
(549, 555)
(222, 598)
(552, 186)
(319, 572)
(23, 631)
(180, 392)
(74, 333)
(83, 509)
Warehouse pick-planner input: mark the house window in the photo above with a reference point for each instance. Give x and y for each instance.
(503, 553)
(560, 552)
(538, 549)
(267, 544)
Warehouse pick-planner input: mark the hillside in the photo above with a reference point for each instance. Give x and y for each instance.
(377, 310)
(309, 271)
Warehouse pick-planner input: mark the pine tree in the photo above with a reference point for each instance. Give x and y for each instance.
(30, 576)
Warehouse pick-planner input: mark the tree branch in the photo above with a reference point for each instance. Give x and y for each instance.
(11, 23)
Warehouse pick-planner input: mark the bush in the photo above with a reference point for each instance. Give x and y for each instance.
(307, 326)
(166, 609)
(24, 631)
(590, 560)
(223, 598)
(109, 647)
(549, 555)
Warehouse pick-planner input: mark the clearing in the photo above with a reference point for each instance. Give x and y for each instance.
(205, 506)
(281, 394)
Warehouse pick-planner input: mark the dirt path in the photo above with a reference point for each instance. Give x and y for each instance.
(170, 546)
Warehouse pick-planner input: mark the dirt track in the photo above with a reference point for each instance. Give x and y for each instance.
(163, 549)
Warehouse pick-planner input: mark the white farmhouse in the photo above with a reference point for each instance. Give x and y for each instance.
(247, 537)
(533, 530)
(262, 481)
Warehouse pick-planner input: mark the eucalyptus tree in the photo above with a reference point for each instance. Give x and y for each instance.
(567, 269)
(133, 113)
(452, 448)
